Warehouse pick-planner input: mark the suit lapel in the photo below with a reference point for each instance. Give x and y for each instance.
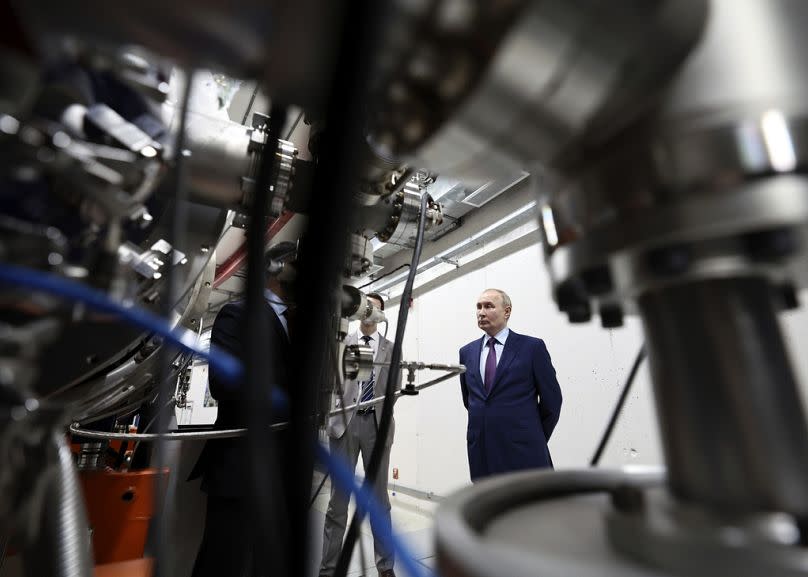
(508, 355)
(383, 356)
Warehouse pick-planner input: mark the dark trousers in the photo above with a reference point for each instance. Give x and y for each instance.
(227, 543)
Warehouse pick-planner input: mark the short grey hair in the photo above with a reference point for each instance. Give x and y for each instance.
(506, 300)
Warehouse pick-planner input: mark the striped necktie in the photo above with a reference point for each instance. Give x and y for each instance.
(368, 386)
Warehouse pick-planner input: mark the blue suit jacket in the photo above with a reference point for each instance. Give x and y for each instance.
(509, 425)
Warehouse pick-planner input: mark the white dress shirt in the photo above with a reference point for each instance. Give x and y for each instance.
(501, 337)
(278, 306)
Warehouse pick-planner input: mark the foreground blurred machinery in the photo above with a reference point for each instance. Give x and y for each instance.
(118, 181)
(665, 140)
(671, 138)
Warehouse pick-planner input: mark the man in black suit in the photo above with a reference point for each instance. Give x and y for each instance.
(227, 545)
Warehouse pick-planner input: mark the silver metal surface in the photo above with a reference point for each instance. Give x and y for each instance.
(591, 70)
(357, 362)
(685, 540)
(361, 255)
(715, 157)
(394, 218)
(731, 419)
(131, 373)
(668, 137)
(77, 429)
(58, 522)
(219, 160)
(90, 456)
(535, 523)
(355, 305)
(223, 159)
(690, 199)
(285, 158)
(697, 212)
(552, 524)
(452, 371)
(133, 380)
(594, 232)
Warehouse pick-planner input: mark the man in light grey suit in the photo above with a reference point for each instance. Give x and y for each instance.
(355, 432)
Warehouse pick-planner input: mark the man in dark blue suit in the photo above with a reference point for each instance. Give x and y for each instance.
(511, 393)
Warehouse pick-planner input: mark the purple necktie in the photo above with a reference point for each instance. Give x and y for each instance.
(490, 365)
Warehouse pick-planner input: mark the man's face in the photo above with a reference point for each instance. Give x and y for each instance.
(492, 316)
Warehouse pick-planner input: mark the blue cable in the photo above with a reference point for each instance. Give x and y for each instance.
(366, 501)
(228, 365)
(184, 339)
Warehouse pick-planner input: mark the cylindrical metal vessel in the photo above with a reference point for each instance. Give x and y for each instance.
(732, 423)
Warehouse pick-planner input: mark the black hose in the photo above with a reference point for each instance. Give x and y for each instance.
(266, 491)
(294, 125)
(385, 275)
(250, 104)
(317, 492)
(393, 383)
(618, 408)
(336, 148)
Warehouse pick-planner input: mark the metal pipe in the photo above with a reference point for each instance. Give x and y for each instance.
(61, 547)
(76, 428)
(235, 261)
(732, 423)
(219, 160)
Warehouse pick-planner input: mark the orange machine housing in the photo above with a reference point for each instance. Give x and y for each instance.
(119, 508)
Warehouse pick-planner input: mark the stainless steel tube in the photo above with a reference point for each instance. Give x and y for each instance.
(62, 545)
(733, 426)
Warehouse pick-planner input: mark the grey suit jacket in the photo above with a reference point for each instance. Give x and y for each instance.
(336, 424)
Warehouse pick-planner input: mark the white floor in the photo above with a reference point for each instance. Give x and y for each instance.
(412, 520)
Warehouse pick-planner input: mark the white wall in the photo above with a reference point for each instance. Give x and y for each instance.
(592, 365)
